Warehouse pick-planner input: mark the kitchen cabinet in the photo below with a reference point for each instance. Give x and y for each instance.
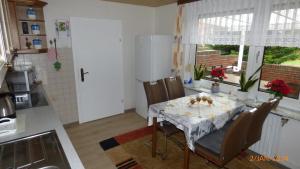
(22, 30)
(27, 26)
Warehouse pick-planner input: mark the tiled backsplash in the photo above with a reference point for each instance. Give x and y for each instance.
(59, 85)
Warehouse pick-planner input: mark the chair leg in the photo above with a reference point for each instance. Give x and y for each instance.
(164, 155)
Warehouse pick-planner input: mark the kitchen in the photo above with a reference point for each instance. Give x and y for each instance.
(62, 98)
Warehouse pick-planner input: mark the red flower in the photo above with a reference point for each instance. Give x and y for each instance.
(218, 73)
(278, 87)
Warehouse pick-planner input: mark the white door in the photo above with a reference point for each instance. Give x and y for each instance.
(98, 65)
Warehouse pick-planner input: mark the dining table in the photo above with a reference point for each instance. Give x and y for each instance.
(196, 115)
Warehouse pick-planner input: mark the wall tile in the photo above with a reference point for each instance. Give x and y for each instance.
(59, 85)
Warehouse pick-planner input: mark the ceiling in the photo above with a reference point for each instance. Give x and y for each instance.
(151, 3)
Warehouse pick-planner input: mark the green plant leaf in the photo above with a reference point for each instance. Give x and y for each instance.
(199, 71)
(249, 84)
(242, 81)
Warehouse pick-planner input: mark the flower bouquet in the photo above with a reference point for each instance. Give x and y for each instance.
(219, 75)
(278, 88)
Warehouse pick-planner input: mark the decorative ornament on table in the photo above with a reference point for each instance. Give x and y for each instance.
(199, 73)
(200, 99)
(218, 74)
(52, 54)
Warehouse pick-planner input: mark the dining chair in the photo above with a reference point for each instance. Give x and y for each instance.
(156, 92)
(222, 145)
(256, 124)
(174, 87)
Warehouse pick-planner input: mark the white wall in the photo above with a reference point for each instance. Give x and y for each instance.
(135, 19)
(165, 19)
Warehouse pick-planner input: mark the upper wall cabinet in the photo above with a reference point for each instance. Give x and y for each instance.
(27, 26)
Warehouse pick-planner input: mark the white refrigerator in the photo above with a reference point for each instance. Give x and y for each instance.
(153, 61)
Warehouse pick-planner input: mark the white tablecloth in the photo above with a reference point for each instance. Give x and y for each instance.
(199, 119)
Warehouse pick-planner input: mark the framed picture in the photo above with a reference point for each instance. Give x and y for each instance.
(62, 27)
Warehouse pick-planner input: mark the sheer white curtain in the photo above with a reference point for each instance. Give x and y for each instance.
(218, 21)
(284, 24)
(256, 23)
(259, 22)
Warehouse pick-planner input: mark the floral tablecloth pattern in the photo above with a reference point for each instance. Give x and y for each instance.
(199, 119)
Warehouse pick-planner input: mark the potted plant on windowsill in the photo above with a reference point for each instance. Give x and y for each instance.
(218, 74)
(199, 72)
(278, 88)
(245, 85)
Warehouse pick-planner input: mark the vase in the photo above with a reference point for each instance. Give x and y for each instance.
(215, 87)
(277, 103)
(37, 43)
(31, 13)
(197, 83)
(242, 95)
(35, 29)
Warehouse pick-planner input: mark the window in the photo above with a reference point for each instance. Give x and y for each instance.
(225, 38)
(226, 56)
(281, 58)
(282, 63)
(228, 31)
(5, 40)
(3, 34)
(2, 47)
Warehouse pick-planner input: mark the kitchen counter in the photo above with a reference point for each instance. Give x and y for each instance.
(41, 119)
(280, 111)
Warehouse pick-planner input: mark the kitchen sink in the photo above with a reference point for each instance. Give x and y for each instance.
(41, 151)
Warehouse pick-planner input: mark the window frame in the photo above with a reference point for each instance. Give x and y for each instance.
(255, 60)
(260, 75)
(224, 82)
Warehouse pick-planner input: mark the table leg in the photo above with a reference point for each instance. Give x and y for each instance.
(154, 137)
(186, 157)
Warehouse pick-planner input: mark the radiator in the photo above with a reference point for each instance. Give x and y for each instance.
(269, 142)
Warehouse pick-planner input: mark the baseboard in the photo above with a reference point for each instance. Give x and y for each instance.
(77, 122)
(129, 110)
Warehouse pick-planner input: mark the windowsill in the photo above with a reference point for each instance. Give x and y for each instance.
(224, 82)
(283, 111)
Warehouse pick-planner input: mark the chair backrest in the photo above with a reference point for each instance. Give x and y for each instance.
(235, 137)
(155, 92)
(258, 119)
(174, 87)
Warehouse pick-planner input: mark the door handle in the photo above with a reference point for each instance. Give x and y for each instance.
(82, 73)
